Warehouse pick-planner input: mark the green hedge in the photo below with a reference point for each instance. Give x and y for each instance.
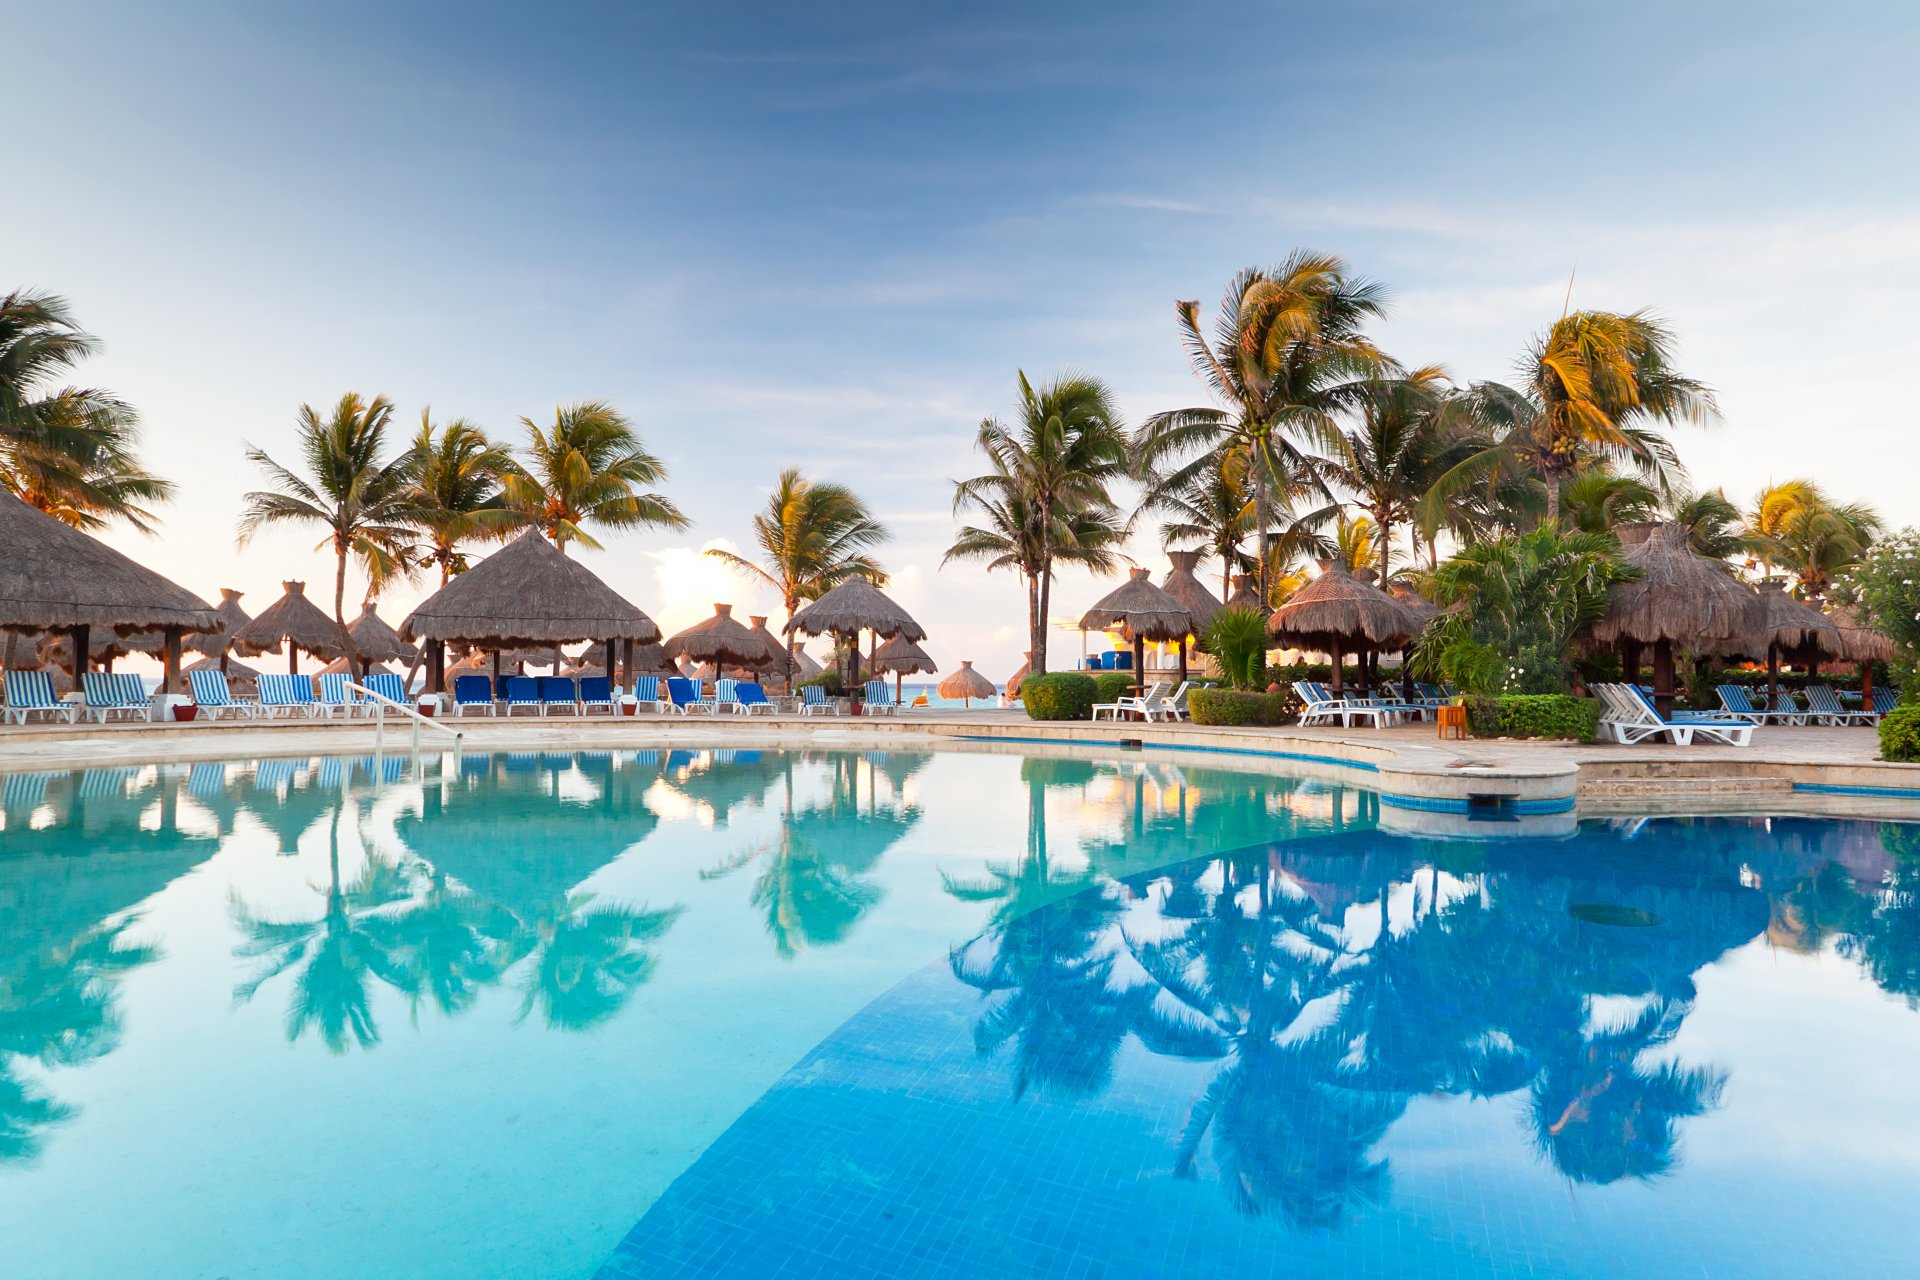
(1231, 707)
(1058, 695)
(1900, 733)
(1533, 715)
(1109, 686)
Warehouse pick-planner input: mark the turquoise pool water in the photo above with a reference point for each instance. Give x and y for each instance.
(969, 1013)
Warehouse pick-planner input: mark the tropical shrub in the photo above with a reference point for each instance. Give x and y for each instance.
(1899, 733)
(1885, 583)
(1109, 685)
(1532, 715)
(1237, 707)
(1059, 695)
(1237, 639)
(1527, 595)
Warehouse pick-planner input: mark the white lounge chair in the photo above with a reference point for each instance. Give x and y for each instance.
(1321, 706)
(1631, 717)
(114, 693)
(31, 693)
(1146, 706)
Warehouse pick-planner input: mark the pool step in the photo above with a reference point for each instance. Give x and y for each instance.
(1683, 786)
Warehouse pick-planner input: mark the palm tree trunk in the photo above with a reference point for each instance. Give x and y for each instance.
(1046, 591)
(1553, 498)
(1385, 527)
(1259, 473)
(340, 613)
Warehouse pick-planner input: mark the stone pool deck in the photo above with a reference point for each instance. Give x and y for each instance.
(1409, 762)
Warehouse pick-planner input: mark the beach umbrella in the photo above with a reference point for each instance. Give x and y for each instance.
(967, 684)
(776, 651)
(1861, 644)
(1246, 595)
(55, 578)
(805, 665)
(375, 641)
(526, 593)
(298, 623)
(854, 606)
(1018, 677)
(1337, 612)
(1795, 631)
(1185, 586)
(901, 657)
(1680, 598)
(721, 640)
(1142, 612)
(219, 644)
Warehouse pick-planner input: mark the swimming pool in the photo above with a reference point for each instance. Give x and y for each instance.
(970, 1013)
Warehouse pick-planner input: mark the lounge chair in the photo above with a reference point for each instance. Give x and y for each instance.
(879, 699)
(1824, 707)
(31, 693)
(113, 693)
(1631, 717)
(385, 684)
(520, 691)
(685, 695)
(1320, 705)
(214, 697)
(559, 691)
(646, 689)
(1885, 699)
(814, 699)
(1145, 706)
(1736, 700)
(475, 692)
(724, 696)
(287, 695)
(750, 697)
(1175, 707)
(334, 695)
(596, 691)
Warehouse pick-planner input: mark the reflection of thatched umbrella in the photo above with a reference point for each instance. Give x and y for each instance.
(1790, 629)
(296, 621)
(527, 592)
(854, 606)
(720, 640)
(1862, 644)
(1336, 613)
(218, 644)
(1183, 585)
(901, 657)
(56, 578)
(967, 684)
(1680, 598)
(376, 641)
(1142, 612)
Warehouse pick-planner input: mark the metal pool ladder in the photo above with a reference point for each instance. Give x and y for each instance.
(382, 704)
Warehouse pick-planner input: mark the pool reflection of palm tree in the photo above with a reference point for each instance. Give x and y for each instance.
(588, 958)
(1885, 940)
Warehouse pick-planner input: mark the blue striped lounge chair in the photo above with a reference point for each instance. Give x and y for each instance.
(751, 697)
(520, 691)
(684, 693)
(1824, 705)
(334, 695)
(288, 695)
(214, 698)
(814, 699)
(387, 685)
(724, 697)
(31, 693)
(114, 693)
(879, 700)
(472, 693)
(559, 691)
(596, 691)
(646, 689)
(1631, 717)
(1737, 700)
(1885, 699)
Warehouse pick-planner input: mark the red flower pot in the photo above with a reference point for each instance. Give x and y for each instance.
(185, 711)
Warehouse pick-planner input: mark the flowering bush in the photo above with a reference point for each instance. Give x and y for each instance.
(1885, 583)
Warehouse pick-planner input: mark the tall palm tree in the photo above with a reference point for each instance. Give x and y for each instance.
(1286, 360)
(1766, 521)
(1599, 498)
(1406, 437)
(589, 467)
(812, 537)
(1050, 472)
(457, 472)
(1593, 388)
(1712, 521)
(1822, 538)
(1213, 509)
(363, 499)
(68, 450)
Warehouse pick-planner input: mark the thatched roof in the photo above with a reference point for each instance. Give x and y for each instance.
(856, 605)
(1020, 673)
(296, 618)
(232, 619)
(721, 639)
(1858, 641)
(967, 683)
(775, 647)
(1338, 607)
(1246, 595)
(1680, 596)
(527, 592)
(903, 657)
(805, 665)
(376, 641)
(1141, 611)
(339, 666)
(1423, 609)
(1794, 628)
(102, 646)
(53, 577)
(1182, 584)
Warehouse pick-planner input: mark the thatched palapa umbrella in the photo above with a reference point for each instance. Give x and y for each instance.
(1019, 676)
(298, 623)
(1797, 632)
(56, 578)
(854, 606)
(776, 651)
(1336, 613)
(1185, 586)
(1143, 612)
(1246, 595)
(376, 641)
(901, 657)
(805, 665)
(219, 644)
(527, 592)
(1861, 644)
(721, 640)
(967, 684)
(1680, 598)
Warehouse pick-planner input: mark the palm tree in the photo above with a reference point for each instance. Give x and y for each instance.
(1214, 509)
(1599, 498)
(1286, 360)
(70, 451)
(589, 467)
(1766, 521)
(812, 536)
(1594, 388)
(1823, 538)
(1408, 435)
(1712, 521)
(457, 472)
(1047, 486)
(364, 501)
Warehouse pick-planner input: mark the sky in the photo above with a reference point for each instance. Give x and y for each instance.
(831, 236)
